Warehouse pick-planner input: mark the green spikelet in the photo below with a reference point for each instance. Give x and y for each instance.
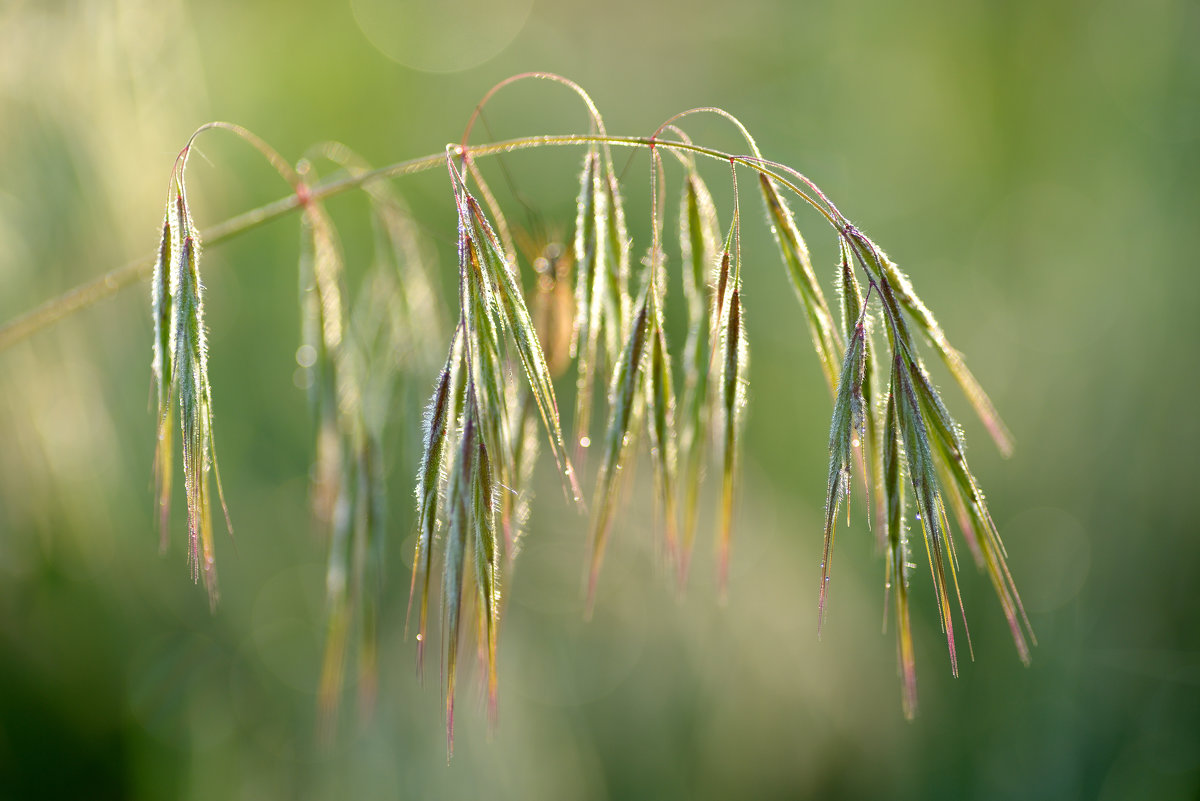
(698, 246)
(804, 281)
(181, 370)
(162, 365)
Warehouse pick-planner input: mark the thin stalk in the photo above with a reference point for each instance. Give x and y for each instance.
(108, 284)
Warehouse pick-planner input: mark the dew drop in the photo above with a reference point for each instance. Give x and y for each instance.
(585, 441)
(420, 637)
(306, 355)
(854, 442)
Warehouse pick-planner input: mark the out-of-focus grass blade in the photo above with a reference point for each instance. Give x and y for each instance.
(552, 305)
(323, 336)
(337, 627)
(369, 556)
(799, 264)
(622, 398)
(697, 244)
(846, 427)
(417, 310)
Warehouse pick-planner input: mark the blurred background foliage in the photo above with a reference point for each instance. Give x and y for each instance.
(1033, 165)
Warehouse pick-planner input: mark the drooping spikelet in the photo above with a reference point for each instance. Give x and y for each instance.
(181, 371)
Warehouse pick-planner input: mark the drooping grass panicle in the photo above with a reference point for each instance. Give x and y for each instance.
(601, 250)
(922, 440)
(323, 357)
(351, 355)
(481, 438)
(180, 361)
(913, 434)
(484, 507)
(519, 324)
(181, 367)
(378, 332)
(341, 489)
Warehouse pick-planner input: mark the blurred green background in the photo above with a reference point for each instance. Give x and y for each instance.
(1033, 165)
